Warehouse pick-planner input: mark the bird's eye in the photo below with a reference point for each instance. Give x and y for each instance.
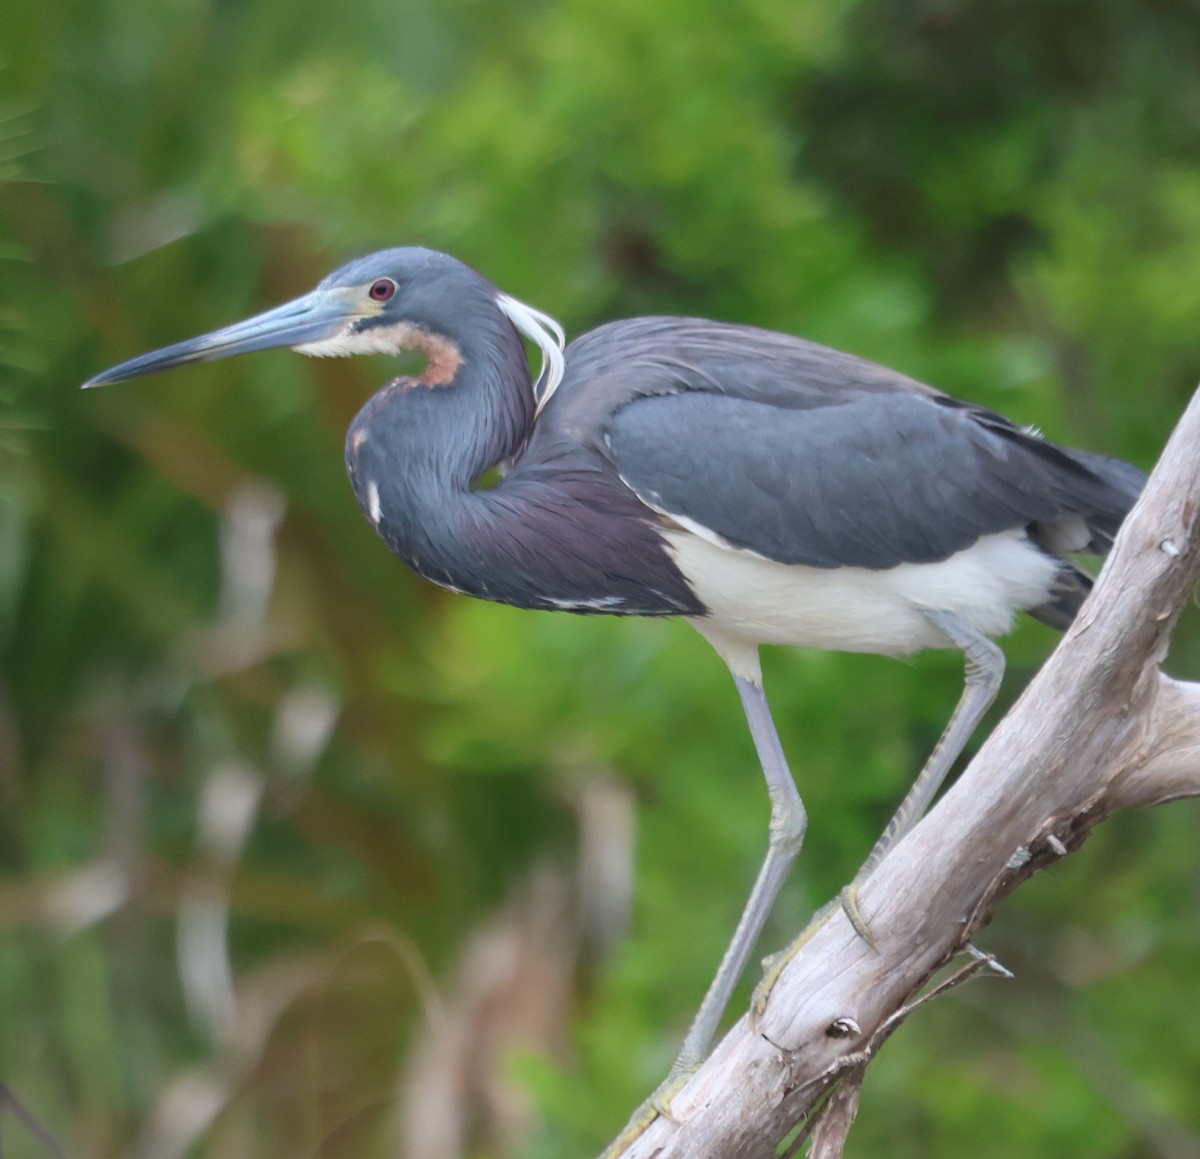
(382, 290)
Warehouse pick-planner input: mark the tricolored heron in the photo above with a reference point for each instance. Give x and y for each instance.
(767, 489)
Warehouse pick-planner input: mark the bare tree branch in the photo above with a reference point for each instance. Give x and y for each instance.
(1099, 729)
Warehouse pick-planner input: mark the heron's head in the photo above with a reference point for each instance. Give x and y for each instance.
(395, 300)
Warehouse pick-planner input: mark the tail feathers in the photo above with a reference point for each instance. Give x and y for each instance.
(1092, 489)
(1096, 493)
(1110, 487)
(1095, 488)
(1065, 600)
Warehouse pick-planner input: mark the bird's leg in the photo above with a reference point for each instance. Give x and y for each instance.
(788, 824)
(983, 671)
(789, 821)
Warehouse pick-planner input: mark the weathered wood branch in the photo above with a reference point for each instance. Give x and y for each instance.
(1099, 729)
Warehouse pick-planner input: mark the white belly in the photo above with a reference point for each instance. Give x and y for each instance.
(752, 600)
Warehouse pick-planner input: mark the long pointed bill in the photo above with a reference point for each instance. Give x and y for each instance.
(321, 314)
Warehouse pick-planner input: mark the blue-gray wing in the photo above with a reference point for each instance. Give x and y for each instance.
(866, 480)
(809, 455)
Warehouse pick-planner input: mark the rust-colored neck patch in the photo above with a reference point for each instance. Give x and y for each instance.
(445, 358)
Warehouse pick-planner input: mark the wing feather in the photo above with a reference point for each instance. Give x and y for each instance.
(809, 455)
(874, 481)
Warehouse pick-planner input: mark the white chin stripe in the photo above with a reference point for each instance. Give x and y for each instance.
(374, 340)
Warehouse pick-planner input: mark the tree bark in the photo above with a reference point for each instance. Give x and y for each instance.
(1099, 729)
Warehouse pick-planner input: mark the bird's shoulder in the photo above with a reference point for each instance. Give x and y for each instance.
(661, 354)
(620, 363)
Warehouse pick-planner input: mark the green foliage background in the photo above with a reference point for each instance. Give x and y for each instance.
(1002, 199)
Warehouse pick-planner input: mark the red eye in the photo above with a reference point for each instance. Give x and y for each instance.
(382, 290)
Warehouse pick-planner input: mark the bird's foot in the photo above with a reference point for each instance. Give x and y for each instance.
(658, 1105)
(848, 900)
(774, 964)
